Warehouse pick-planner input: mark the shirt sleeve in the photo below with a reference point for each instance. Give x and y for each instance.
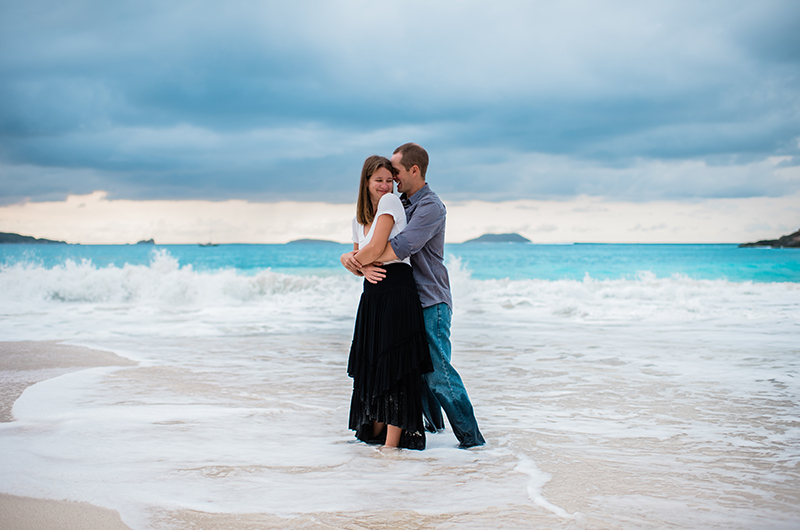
(356, 228)
(391, 204)
(427, 221)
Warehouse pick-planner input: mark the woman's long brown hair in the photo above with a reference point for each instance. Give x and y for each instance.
(364, 213)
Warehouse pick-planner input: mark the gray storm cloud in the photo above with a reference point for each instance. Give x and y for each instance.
(271, 101)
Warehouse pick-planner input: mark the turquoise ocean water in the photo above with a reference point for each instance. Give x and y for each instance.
(482, 261)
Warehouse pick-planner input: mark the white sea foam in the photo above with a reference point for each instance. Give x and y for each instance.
(537, 481)
(163, 281)
(164, 286)
(643, 403)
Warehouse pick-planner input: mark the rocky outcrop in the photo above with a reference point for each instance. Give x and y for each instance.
(311, 242)
(7, 237)
(499, 238)
(790, 241)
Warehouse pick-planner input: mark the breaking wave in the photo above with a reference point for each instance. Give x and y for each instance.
(164, 282)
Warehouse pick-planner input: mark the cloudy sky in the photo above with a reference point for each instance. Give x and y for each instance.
(632, 107)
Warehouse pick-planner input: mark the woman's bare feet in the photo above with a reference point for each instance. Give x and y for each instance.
(377, 428)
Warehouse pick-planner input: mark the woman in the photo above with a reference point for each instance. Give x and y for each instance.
(389, 353)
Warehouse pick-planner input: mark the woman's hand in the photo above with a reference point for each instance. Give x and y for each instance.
(351, 263)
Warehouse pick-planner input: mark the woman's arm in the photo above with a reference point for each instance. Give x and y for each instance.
(379, 241)
(387, 255)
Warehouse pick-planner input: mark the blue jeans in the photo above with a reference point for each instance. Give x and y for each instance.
(444, 383)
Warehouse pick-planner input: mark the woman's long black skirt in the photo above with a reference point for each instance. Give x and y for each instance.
(388, 356)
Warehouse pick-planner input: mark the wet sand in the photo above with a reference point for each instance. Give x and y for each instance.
(518, 519)
(23, 364)
(24, 513)
(601, 478)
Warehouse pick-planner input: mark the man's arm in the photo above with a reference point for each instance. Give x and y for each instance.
(427, 221)
(373, 273)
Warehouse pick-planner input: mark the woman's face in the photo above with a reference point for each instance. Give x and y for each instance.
(380, 183)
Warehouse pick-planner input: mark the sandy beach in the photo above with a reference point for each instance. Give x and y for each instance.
(24, 513)
(26, 363)
(586, 473)
(23, 364)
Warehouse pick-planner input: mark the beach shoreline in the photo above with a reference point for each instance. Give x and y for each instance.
(26, 513)
(25, 363)
(685, 418)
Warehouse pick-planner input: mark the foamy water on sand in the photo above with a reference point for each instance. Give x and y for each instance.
(630, 403)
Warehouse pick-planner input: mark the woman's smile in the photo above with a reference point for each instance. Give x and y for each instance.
(380, 183)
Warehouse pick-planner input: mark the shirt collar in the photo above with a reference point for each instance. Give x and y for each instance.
(414, 199)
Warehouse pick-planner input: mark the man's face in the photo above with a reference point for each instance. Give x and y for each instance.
(403, 177)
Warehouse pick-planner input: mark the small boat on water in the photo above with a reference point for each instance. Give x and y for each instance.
(210, 239)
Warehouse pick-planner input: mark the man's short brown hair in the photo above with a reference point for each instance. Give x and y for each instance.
(413, 155)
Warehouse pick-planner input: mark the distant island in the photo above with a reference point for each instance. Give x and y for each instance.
(9, 238)
(311, 242)
(146, 242)
(499, 238)
(790, 241)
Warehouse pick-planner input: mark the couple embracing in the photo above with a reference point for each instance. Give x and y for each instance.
(400, 355)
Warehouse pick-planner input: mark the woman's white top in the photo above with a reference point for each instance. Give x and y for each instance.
(390, 205)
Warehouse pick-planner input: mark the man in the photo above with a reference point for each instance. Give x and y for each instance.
(423, 241)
